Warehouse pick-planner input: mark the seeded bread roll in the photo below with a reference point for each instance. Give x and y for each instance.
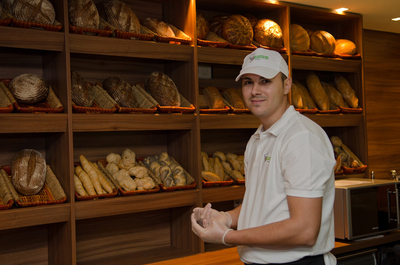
(83, 13)
(163, 89)
(119, 15)
(213, 98)
(28, 171)
(36, 11)
(29, 88)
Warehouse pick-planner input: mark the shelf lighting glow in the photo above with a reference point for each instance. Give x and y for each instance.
(341, 10)
(273, 1)
(396, 19)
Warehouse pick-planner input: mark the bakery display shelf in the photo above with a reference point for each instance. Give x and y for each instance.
(228, 121)
(226, 193)
(325, 64)
(128, 122)
(337, 120)
(31, 39)
(32, 216)
(134, 204)
(33, 122)
(129, 48)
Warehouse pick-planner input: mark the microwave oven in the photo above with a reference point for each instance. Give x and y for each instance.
(365, 207)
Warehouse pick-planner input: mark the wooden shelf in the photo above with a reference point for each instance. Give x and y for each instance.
(218, 194)
(35, 215)
(337, 120)
(129, 48)
(33, 122)
(135, 203)
(325, 64)
(31, 39)
(129, 122)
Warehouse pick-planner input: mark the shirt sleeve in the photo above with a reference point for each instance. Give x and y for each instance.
(307, 164)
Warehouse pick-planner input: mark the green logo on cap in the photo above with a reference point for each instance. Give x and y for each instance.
(259, 57)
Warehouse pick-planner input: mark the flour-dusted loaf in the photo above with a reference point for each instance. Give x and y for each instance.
(36, 11)
(83, 13)
(159, 27)
(81, 92)
(28, 171)
(29, 88)
(120, 91)
(237, 30)
(268, 33)
(119, 15)
(213, 98)
(163, 89)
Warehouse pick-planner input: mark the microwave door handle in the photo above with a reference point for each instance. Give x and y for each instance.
(388, 204)
(388, 192)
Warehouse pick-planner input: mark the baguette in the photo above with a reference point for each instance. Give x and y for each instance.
(88, 167)
(317, 92)
(309, 102)
(85, 179)
(346, 90)
(334, 95)
(298, 98)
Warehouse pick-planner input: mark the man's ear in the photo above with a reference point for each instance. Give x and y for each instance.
(287, 85)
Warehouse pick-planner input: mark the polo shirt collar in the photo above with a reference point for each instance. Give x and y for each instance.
(279, 125)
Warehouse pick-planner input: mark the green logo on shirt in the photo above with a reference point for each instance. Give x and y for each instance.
(267, 157)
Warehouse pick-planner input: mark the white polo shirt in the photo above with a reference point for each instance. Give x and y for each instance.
(293, 157)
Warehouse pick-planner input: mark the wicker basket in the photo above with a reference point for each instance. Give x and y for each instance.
(6, 197)
(90, 32)
(357, 110)
(30, 25)
(334, 111)
(6, 105)
(103, 103)
(215, 44)
(51, 193)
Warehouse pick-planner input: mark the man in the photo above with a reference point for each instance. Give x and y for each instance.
(286, 216)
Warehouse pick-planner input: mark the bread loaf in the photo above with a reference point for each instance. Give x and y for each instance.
(36, 11)
(346, 90)
(344, 46)
(202, 26)
(268, 33)
(119, 15)
(83, 13)
(213, 98)
(159, 27)
(298, 99)
(29, 88)
(216, 24)
(28, 171)
(309, 102)
(120, 91)
(252, 19)
(322, 42)
(334, 96)
(232, 96)
(317, 92)
(81, 93)
(163, 89)
(299, 38)
(237, 30)
(6, 6)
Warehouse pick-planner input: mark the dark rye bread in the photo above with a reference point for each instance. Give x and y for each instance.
(163, 89)
(83, 13)
(29, 88)
(35, 11)
(216, 24)
(237, 30)
(120, 91)
(81, 92)
(28, 171)
(119, 15)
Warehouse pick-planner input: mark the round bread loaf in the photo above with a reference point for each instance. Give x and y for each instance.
(29, 88)
(268, 33)
(344, 46)
(202, 26)
(237, 30)
(28, 171)
(216, 24)
(81, 92)
(159, 27)
(119, 15)
(7, 6)
(163, 89)
(299, 38)
(322, 42)
(35, 11)
(252, 19)
(83, 13)
(120, 91)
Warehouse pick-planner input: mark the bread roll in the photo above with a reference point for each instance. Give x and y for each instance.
(317, 92)
(163, 89)
(35, 11)
(28, 172)
(83, 13)
(29, 88)
(233, 97)
(159, 27)
(213, 98)
(344, 46)
(237, 30)
(119, 15)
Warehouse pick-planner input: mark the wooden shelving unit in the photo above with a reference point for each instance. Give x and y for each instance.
(87, 232)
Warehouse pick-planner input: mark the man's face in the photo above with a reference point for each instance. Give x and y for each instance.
(264, 97)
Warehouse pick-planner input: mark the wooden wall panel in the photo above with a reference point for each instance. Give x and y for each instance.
(382, 93)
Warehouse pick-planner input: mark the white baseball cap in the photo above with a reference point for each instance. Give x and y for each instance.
(265, 63)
